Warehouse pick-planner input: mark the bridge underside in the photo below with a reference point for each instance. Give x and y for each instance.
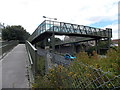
(48, 34)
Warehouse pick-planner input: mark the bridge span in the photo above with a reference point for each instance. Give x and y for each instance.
(48, 29)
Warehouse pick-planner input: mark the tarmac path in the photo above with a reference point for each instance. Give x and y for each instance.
(14, 68)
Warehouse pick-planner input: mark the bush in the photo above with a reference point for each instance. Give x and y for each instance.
(85, 72)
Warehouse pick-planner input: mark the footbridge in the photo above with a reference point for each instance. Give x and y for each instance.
(50, 28)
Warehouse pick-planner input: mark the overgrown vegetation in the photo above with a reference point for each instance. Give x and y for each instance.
(85, 71)
(41, 66)
(103, 47)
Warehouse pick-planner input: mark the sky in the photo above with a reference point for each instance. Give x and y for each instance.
(29, 13)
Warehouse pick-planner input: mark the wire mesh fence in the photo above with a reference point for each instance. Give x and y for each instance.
(85, 76)
(76, 74)
(79, 75)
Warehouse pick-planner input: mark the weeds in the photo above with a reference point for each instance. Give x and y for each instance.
(85, 72)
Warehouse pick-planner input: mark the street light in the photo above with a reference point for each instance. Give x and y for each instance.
(50, 18)
(53, 34)
(53, 37)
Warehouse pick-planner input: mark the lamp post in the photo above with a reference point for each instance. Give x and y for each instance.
(50, 18)
(53, 36)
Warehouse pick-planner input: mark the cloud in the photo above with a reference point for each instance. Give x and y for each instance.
(115, 31)
(28, 13)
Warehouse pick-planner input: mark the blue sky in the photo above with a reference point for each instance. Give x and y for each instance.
(29, 13)
(103, 23)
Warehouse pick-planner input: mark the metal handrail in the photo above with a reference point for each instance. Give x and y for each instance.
(32, 54)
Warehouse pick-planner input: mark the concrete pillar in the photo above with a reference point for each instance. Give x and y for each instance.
(59, 49)
(45, 42)
(109, 43)
(73, 48)
(53, 42)
(97, 46)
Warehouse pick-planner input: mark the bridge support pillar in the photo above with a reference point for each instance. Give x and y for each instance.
(59, 49)
(45, 42)
(109, 43)
(53, 42)
(73, 49)
(97, 46)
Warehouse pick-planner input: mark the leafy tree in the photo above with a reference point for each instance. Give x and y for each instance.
(15, 33)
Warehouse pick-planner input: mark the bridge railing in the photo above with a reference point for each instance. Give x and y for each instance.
(6, 46)
(68, 28)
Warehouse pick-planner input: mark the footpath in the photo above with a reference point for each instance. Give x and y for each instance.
(14, 68)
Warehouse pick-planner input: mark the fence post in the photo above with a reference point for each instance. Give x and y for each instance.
(35, 62)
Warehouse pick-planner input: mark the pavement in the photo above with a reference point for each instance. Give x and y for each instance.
(14, 68)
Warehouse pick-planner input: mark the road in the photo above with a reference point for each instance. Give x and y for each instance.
(14, 68)
(57, 59)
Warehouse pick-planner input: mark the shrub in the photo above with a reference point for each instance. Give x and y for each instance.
(84, 72)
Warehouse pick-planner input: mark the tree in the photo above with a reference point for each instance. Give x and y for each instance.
(15, 33)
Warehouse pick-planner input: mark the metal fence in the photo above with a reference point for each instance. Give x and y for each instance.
(84, 76)
(36, 62)
(6, 46)
(74, 75)
(32, 54)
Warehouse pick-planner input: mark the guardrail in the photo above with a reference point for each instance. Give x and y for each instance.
(37, 64)
(32, 53)
(6, 46)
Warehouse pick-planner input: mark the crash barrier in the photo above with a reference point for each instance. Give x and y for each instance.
(7, 46)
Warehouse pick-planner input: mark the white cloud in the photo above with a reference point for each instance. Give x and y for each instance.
(28, 13)
(114, 27)
(119, 31)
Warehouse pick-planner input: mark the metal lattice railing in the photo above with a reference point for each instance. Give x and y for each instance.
(68, 28)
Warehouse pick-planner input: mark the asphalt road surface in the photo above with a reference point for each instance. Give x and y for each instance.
(14, 68)
(57, 59)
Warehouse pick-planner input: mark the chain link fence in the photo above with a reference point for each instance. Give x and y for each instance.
(84, 76)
